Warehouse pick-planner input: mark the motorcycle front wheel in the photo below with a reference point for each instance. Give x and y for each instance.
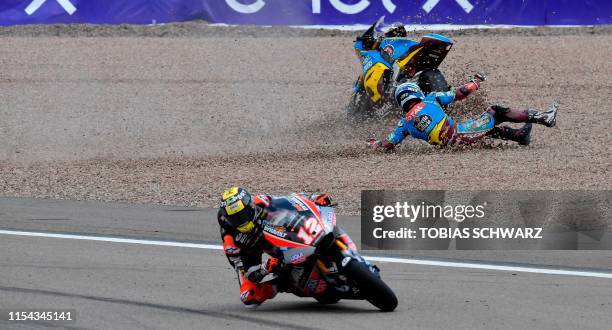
(372, 287)
(359, 107)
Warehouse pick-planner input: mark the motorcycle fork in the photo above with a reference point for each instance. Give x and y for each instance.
(322, 266)
(339, 258)
(341, 245)
(348, 254)
(342, 255)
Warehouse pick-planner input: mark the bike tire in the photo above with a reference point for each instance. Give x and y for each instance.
(359, 107)
(374, 290)
(432, 80)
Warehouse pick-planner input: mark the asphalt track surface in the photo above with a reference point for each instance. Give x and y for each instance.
(119, 285)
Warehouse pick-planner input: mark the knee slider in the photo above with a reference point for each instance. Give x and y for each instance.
(247, 297)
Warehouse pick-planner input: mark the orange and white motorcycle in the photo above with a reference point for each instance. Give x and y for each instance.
(318, 259)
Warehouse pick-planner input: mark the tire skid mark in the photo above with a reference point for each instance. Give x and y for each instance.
(170, 308)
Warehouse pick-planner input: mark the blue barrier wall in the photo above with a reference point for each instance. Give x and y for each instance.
(308, 12)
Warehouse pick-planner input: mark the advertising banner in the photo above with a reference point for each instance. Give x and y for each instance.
(307, 12)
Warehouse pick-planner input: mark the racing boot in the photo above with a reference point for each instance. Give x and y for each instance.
(521, 135)
(547, 118)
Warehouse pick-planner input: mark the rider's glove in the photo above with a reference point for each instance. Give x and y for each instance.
(323, 200)
(374, 144)
(478, 78)
(256, 273)
(378, 145)
(469, 88)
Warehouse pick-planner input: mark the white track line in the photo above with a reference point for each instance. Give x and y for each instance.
(112, 239)
(521, 269)
(438, 263)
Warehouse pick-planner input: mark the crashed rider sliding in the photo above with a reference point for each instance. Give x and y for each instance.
(242, 218)
(426, 120)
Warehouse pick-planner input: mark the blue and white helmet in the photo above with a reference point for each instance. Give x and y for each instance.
(406, 92)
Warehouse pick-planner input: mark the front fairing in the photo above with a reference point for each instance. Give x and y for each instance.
(311, 265)
(394, 48)
(409, 55)
(295, 227)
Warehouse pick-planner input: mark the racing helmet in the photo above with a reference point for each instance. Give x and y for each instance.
(239, 210)
(407, 94)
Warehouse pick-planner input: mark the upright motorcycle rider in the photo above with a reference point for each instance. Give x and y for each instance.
(426, 120)
(242, 219)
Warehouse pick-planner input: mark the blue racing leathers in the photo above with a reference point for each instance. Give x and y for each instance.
(427, 121)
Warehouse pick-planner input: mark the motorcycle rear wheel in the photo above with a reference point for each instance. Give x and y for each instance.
(372, 287)
(432, 80)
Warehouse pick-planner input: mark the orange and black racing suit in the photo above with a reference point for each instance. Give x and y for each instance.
(244, 251)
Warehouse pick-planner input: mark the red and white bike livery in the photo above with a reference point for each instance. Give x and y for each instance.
(319, 260)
